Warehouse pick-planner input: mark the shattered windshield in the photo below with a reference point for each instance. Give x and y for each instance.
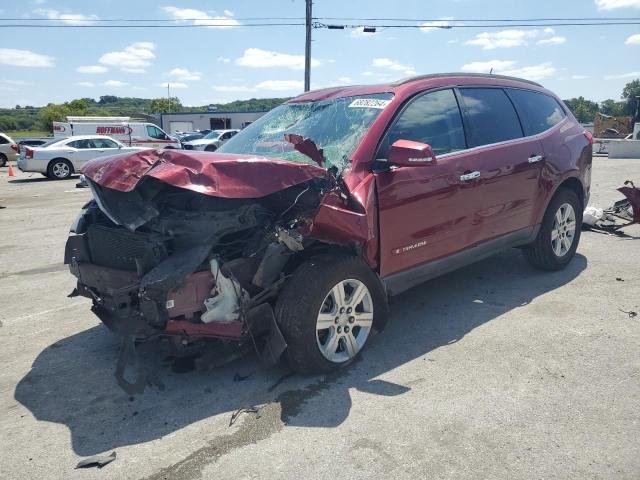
(336, 126)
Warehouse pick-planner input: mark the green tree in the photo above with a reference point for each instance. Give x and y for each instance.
(584, 110)
(611, 107)
(164, 105)
(58, 113)
(630, 94)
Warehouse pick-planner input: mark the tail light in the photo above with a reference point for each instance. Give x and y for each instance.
(15, 147)
(28, 153)
(589, 136)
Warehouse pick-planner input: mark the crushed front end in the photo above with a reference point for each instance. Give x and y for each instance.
(159, 260)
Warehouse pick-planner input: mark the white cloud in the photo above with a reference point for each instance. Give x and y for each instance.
(224, 59)
(613, 4)
(367, 74)
(633, 40)
(198, 17)
(532, 72)
(92, 69)
(68, 18)
(184, 74)
(431, 26)
(258, 58)
(86, 84)
(173, 85)
(17, 83)
(485, 67)
(622, 75)
(24, 58)
(393, 65)
(344, 79)
(555, 40)
(114, 83)
(502, 39)
(579, 77)
(135, 58)
(508, 67)
(281, 85)
(515, 38)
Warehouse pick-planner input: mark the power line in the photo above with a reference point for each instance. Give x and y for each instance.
(207, 25)
(319, 25)
(451, 27)
(358, 19)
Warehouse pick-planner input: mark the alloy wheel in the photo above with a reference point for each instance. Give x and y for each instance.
(344, 320)
(564, 230)
(61, 170)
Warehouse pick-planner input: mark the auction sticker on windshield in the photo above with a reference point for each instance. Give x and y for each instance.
(369, 103)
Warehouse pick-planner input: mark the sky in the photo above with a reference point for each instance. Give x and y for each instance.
(230, 61)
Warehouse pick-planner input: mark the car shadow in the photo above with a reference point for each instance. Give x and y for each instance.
(42, 179)
(71, 382)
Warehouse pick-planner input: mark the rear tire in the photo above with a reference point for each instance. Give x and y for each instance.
(59, 169)
(559, 234)
(323, 334)
(3, 159)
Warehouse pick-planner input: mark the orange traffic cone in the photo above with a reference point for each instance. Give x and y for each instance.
(11, 174)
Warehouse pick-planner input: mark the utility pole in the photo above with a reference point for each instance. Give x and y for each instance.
(307, 49)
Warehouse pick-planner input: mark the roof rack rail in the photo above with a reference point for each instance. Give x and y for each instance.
(402, 81)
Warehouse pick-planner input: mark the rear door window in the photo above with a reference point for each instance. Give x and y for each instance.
(104, 143)
(81, 144)
(538, 112)
(433, 118)
(490, 116)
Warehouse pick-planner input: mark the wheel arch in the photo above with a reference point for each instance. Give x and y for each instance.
(571, 183)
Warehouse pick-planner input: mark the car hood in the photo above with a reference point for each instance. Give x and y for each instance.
(214, 174)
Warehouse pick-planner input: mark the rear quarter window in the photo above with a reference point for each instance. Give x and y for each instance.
(538, 112)
(490, 116)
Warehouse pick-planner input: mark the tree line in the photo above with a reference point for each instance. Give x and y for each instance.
(41, 119)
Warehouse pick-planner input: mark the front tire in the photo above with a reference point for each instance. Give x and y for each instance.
(59, 169)
(328, 310)
(3, 159)
(210, 148)
(559, 234)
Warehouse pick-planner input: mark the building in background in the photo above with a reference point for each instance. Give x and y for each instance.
(190, 121)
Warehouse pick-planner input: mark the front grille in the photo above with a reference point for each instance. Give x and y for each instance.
(119, 248)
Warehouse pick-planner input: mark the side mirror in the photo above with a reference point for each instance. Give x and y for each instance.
(406, 153)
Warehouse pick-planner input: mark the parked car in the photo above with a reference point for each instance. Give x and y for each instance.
(188, 137)
(130, 132)
(211, 141)
(8, 149)
(295, 232)
(59, 159)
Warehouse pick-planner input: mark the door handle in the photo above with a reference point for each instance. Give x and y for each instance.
(535, 158)
(469, 176)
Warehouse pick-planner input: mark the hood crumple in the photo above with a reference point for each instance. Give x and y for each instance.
(214, 174)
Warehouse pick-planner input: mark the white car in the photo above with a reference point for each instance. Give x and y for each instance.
(211, 141)
(8, 149)
(61, 158)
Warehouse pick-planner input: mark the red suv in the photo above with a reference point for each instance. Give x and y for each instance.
(293, 234)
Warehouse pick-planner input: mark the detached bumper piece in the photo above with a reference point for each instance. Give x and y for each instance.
(621, 214)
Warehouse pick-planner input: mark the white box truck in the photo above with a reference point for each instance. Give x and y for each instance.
(130, 131)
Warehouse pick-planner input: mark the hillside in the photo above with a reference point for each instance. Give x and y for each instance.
(38, 119)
